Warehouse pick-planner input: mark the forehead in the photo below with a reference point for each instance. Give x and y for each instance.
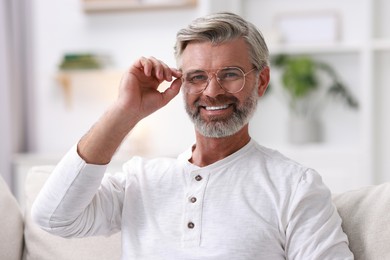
(206, 55)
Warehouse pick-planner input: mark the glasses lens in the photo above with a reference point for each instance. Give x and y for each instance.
(231, 79)
(195, 81)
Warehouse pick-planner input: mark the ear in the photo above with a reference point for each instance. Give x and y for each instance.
(264, 77)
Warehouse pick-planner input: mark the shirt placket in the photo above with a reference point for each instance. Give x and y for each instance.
(193, 210)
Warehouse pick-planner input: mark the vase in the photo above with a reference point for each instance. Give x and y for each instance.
(303, 130)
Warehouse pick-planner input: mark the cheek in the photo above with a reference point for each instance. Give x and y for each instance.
(188, 99)
(247, 92)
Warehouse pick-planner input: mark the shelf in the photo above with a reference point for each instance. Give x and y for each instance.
(381, 44)
(134, 5)
(315, 49)
(98, 78)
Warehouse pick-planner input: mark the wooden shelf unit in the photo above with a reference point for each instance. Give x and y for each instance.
(134, 5)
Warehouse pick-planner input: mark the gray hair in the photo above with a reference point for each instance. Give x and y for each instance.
(222, 27)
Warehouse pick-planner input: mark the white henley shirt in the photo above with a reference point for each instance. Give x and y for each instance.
(254, 204)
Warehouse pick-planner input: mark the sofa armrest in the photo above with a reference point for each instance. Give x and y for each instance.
(11, 225)
(366, 214)
(41, 245)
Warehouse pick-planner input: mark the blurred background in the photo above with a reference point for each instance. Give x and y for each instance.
(61, 62)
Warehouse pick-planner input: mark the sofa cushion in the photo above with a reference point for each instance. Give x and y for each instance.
(40, 245)
(11, 225)
(366, 216)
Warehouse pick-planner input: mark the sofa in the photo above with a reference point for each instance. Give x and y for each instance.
(365, 213)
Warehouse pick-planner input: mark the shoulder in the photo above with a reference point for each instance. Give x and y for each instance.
(281, 169)
(276, 162)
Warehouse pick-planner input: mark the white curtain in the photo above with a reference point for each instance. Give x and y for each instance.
(16, 89)
(5, 113)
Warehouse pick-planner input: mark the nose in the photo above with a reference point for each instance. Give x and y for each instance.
(213, 88)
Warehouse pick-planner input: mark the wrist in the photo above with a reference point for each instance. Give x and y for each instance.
(123, 117)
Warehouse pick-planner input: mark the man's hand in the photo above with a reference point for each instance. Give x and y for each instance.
(138, 94)
(138, 98)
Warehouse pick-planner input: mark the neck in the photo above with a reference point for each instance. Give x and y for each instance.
(210, 150)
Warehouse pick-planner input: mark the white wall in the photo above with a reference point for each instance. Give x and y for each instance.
(382, 93)
(61, 26)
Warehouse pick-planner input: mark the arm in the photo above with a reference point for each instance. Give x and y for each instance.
(74, 197)
(314, 227)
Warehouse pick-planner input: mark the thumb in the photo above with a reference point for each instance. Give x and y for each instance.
(172, 91)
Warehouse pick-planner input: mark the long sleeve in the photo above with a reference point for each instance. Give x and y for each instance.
(73, 203)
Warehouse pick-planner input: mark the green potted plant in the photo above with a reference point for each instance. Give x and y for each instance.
(308, 84)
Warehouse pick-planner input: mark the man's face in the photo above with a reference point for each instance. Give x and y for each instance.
(215, 112)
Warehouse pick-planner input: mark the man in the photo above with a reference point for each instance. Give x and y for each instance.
(227, 197)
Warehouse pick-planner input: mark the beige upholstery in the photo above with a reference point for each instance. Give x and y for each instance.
(40, 245)
(11, 225)
(366, 221)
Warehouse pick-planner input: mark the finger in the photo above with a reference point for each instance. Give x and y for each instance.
(154, 67)
(161, 70)
(176, 73)
(144, 64)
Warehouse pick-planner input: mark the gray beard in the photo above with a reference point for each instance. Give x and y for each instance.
(225, 127)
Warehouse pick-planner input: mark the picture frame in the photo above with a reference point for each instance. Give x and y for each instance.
(316, 27)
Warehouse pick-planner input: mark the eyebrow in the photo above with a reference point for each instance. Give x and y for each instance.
(195, 71)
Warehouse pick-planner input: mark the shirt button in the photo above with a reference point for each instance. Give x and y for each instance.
(190, 225)
(198, 178)
(193, 199)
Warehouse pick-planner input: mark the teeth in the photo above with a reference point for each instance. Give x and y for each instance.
(217, 108)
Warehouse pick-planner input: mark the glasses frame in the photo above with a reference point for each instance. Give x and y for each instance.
(214, 74)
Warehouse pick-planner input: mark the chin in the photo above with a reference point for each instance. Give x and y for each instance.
(218, 129)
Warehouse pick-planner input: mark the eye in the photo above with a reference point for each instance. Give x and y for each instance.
(230, 74)
(197, 77)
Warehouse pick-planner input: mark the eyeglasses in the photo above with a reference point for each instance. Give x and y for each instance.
(230, 79)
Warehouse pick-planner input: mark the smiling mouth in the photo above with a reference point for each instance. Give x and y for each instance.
(214, 108)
